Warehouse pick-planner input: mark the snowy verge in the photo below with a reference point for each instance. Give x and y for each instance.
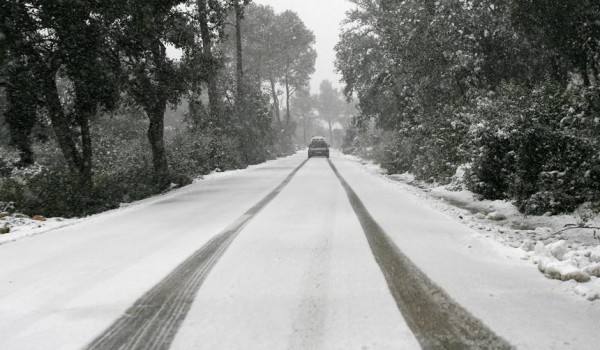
(571, 256)
(21, 226)
(16, 226)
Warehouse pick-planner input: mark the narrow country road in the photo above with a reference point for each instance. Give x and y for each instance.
(291, 254)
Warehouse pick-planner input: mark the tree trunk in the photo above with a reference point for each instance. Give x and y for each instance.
(275, 100)
(79, 164)
(594, 70)
(155, 110)
(238, 50)
(213, 94)
(20, 117)
(60, 124)
(156, 138)
(287, 101)
(304, 126)
(330, 131)
(85, 169)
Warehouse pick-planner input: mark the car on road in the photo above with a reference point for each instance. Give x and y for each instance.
(318, 147)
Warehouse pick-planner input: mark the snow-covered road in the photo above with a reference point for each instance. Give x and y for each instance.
(272, 259)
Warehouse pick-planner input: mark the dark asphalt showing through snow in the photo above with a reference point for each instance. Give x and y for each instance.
(437, 321)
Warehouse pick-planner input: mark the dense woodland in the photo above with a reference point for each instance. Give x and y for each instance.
(506, 92)
(105, 102)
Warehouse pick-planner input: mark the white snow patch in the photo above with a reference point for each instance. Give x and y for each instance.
(527, 245)
(21, 227)
(562, 270)
(586, 292)
(595, 254)
(496, 216)
(557, 249)
(593, 270)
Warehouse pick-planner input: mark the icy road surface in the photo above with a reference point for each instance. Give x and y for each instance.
(291, 254)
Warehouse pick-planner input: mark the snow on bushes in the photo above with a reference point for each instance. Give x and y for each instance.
(521, 149)
(528, 145)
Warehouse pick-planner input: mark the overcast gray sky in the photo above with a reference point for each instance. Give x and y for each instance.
(323, 17)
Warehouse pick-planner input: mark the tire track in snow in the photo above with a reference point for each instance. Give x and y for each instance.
(437, 321)
(153, 320)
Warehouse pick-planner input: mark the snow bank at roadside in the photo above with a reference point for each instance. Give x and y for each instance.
(16, 226)
(20, 226)
(571, 256)
(557, 261)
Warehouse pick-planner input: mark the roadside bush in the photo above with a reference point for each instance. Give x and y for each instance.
(491, 164)
(281, 144)
(11, 192)
(395, 153)
(363, 143)
(489, 141)
(430, 152)
(568, 177)
(130, 178)
(5, 168)
(351, 142)
(193, 153)
(439, 151)
(56, 192)
(50, 191)
(254, 131)
(522, 144)
(522, 150)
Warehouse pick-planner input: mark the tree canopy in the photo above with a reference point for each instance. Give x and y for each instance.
(455, 82)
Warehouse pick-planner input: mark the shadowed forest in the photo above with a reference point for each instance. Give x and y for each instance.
(108, 102)
(505, 92)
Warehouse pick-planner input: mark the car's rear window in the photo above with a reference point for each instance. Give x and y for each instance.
(318, 144)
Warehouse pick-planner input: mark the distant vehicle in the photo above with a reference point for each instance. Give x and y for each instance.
(318, 147)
